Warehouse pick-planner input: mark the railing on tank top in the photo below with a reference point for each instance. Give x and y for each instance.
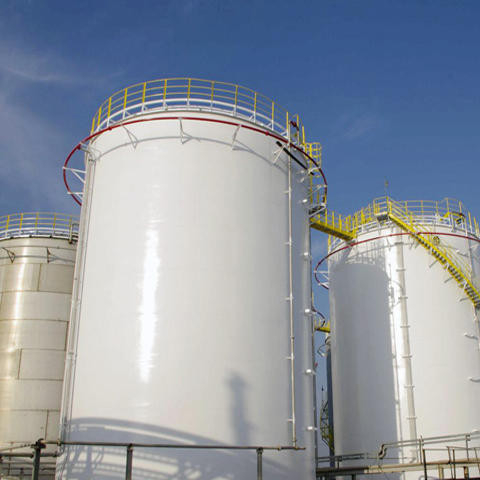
(44, 224)
(447, 212)
(202, 95)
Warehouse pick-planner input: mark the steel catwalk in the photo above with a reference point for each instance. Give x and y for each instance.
(193, 267)
(405, 348)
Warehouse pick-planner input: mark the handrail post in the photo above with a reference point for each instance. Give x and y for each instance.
(259, 464)
(288, 129)
(144, 94)
(236, 100)
(211, 96)
(124, 102)
(38, 446)
(129, 463)
(109, 110)
(424, 459)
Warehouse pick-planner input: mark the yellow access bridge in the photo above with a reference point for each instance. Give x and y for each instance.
(412, 217)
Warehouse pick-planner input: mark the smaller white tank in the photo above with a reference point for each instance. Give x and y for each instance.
(37, 258)
(405, 348)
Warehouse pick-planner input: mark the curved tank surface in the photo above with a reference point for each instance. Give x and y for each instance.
(37, 258)
(193, 292)
(405, 349)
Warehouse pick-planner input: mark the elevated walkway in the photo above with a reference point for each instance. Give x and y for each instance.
(416, 218)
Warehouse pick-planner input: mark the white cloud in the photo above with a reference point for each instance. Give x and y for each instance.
(355, 125)
(21, 64)
(28, 151)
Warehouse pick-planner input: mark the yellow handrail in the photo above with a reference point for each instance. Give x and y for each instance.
(27, 224)
(185, 92)
(448, 212)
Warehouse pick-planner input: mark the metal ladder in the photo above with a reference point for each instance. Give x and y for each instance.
(452, 262)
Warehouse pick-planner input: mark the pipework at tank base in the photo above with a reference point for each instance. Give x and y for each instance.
(43, 465)
(457, 457)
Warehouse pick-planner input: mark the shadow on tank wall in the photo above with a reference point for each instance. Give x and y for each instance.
(108, 463)
(361, 306)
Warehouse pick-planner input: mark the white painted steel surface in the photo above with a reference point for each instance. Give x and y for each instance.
(183, 330)
(36, 276)
(389, 296)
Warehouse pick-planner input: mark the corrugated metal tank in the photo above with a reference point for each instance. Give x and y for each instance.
(182, 334)
(37, 258)
(405, 349)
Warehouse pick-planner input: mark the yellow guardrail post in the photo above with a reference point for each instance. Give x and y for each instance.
(109, 108)
(188, 90)
(273, 113)
(125, 102)
(36, 222)
(236, 99)
(144, 93)
(288, 129)
(7, 224)
(255, 107)
(164, 92)
(211, 95)
(99, 116)
(21, 221)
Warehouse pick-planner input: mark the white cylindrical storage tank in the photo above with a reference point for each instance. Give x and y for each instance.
(193, 289)
(405, 349)
(37, 258)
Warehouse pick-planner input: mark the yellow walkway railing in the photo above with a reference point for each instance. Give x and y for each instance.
(334, 224)
(415, 218)
(202, 95)
(457, 266)
(30, 224)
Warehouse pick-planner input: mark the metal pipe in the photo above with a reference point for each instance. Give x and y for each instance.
(176, 445)
(37, 452)
(129, 464)
(259, 464)
(314, 377)
(406, 354)
(70, 359)
(424, 464)
(290, 298)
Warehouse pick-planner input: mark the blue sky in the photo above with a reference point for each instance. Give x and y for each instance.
(389, 87)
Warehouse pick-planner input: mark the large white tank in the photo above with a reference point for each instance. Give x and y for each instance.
(37, 258)
(404, 339)
(193, 290)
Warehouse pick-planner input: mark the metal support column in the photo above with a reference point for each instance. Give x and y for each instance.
(259, 464)
(38, 446)
(129, 465)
